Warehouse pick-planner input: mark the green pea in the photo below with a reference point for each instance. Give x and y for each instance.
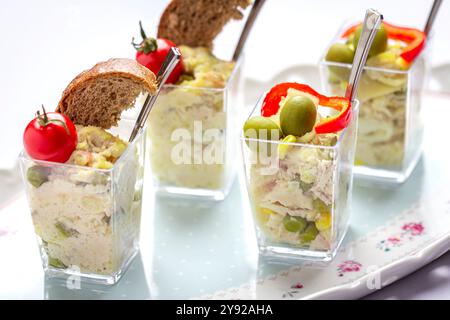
(340, 52)
(302, 184)
(65, 231)
(294, 224)
(37, 175)
(305, 186)
(259, 127)
(320, 206)
(379, 43)
(56, 263)
(298, 116)
(309, 234)
(138, 195)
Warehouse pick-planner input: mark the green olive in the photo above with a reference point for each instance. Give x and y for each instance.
(309, 234)
(294, 224)
(298, 116)
(37, 175)
(340, 52)
(379, 43)
(262, 128)
(349, 42)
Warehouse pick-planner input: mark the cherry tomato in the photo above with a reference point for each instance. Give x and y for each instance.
(50, 137)
(152, 52)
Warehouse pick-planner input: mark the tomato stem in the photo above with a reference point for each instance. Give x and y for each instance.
(143, 35)
(45, 113)
(43, 120)
(147, 44)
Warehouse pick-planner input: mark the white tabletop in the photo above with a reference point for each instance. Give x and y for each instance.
(46, 43)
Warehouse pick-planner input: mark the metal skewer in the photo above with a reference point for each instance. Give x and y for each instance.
(432, 16)
(256, 8)
(370, 26)
(169, 63)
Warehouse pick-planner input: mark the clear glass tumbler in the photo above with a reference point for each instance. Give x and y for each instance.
(390, 127)
(300, 194)
(87, 220)
(192, 135)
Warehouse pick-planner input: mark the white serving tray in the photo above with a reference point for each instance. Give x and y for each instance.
(193, 250)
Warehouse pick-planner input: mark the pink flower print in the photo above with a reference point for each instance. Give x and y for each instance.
(348, 266)
(408, 232)
(295, 288)
(394, 241)
(298, 285)
(414, 229)
(389, 243)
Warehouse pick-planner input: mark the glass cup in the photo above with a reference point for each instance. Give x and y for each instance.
(87, 220)
(300, 193)
(192, 132)
(390, 130)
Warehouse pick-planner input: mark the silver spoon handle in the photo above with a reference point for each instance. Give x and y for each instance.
(257, 5)
(432, 16)
(166, 69)
(371, 24)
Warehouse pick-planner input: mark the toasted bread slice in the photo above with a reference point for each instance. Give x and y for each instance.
(98, 96)
(196, 23)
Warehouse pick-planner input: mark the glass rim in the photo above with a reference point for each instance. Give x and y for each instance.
(236, 67)
(345, 24)
(24, 156)
(355, 109)
(365, 68)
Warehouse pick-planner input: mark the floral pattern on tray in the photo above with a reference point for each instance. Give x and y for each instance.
(408, 233)
(348, 266)
(359, 264)
(293, 291)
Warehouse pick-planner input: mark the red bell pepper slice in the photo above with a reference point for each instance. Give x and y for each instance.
(347, 33)
(271, 105)
(414, 38)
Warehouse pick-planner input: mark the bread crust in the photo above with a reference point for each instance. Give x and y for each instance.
(176, 22)
(116, 67)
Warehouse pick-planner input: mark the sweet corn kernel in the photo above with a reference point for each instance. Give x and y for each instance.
(263, 214)
(284, 148)
(324, 221)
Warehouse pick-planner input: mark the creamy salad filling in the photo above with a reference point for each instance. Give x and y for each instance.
(180, 120)
(74, 212)
(294, 204)
(382, 117)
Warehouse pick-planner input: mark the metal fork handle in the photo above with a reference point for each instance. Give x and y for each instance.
(432, 16)
(256, 8)
(371, 24)
(166, 69)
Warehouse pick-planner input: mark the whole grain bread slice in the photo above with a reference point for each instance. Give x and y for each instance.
(197, 22)
(98, 96)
